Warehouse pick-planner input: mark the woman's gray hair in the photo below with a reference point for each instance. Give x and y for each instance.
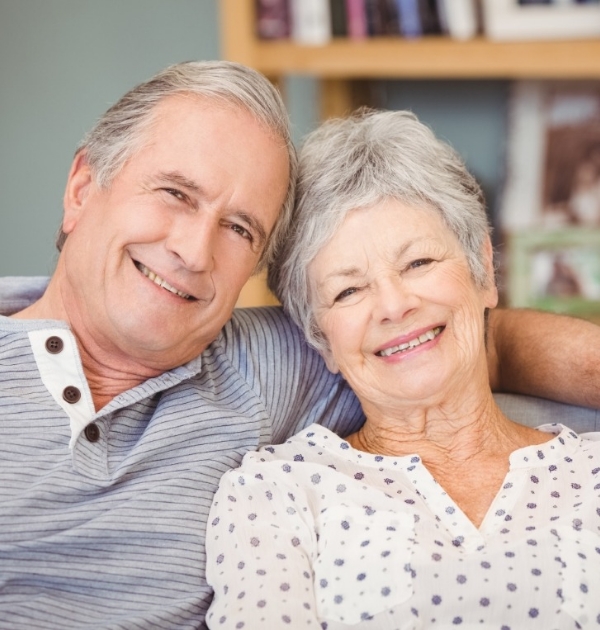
(357, 162)
(120, 132)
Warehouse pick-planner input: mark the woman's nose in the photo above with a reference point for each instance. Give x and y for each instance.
(394, 299)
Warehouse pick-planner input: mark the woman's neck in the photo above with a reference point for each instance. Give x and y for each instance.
(448, 432)
(467, 453)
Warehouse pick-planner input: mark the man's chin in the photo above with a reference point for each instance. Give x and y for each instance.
(165, 340)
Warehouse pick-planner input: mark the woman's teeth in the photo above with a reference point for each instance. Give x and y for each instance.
(413, 343)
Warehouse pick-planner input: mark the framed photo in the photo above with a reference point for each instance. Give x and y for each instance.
(553, 156)
(549, 216)
(557, 271)
(514, 20)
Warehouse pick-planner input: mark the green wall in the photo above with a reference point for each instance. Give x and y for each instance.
(469, 115)
(63, 62)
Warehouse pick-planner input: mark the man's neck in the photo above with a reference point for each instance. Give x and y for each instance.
(108, 378)
(108, 371)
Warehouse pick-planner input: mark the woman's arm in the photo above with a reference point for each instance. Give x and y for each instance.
(258, 543)
(546, 355)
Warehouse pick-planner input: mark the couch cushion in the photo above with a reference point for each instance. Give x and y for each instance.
(535, 411)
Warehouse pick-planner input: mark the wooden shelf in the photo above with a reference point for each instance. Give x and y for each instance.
(430, 58)
(395, 57)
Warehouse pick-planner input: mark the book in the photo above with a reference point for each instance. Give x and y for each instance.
(339, 18)
(373, 13)
(311, 22)
(409, 16)
(357, 19)
(430, 21)
(418, 17)
(272, 19)
(389, 17)
(458, 18)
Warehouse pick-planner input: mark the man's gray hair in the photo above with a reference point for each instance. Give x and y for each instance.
(357, 162)
(120, 132)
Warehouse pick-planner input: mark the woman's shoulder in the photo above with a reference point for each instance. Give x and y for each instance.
(312, 448)
(314, 441)
(582, 450)
(566, 434)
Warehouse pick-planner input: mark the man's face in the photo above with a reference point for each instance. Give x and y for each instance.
(154, 264)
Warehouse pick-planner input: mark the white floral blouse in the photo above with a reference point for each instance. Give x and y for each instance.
(315, 534)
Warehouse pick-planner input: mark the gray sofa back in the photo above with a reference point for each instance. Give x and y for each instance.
(535, 411)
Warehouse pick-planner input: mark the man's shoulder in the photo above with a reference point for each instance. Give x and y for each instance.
(259, 315)
(261, 325)
(18, 292)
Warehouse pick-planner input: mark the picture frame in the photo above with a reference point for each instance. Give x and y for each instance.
(556, 271)
(552, 176)
(549, 214)
(508, 20)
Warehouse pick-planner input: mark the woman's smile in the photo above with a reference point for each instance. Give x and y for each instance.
(414, 341)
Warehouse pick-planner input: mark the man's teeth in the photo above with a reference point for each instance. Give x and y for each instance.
(160, 282)
(413, 343)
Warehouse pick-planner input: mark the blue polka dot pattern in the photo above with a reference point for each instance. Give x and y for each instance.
(314, 534)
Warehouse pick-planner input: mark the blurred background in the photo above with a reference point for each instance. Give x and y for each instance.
(63, 62)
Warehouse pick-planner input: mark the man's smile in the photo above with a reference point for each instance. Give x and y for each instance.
(161, 282)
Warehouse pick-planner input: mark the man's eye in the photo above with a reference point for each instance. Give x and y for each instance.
(175, 193)
(345, 293)
(242, 231)
(420, 262)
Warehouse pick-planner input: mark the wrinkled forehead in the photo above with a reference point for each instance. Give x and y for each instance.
(348, 214)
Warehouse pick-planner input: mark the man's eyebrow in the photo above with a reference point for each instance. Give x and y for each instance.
(177, 178)
(174, 177)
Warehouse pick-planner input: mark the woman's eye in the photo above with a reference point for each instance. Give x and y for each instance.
(345, 293)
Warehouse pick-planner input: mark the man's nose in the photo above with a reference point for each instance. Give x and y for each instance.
(394, 299)
(194, 243)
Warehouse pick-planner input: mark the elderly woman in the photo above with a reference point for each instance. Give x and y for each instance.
(440, 511)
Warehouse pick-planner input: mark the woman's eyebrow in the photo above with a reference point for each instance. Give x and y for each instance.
(343, 272)
(353, 271)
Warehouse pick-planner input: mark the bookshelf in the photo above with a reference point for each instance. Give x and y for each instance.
(342, 64)
(342, 61)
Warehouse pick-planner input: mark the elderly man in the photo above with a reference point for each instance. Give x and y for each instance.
(127, 388)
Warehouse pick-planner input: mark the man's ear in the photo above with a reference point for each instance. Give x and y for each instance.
(78, 187)
(490, 291)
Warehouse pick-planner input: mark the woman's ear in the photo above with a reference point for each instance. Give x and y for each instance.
(77, 189)
(490, 291)
(330, 362)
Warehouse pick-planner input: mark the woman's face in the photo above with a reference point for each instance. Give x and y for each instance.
(393, 294)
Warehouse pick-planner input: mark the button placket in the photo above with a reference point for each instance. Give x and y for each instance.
(59, 365)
